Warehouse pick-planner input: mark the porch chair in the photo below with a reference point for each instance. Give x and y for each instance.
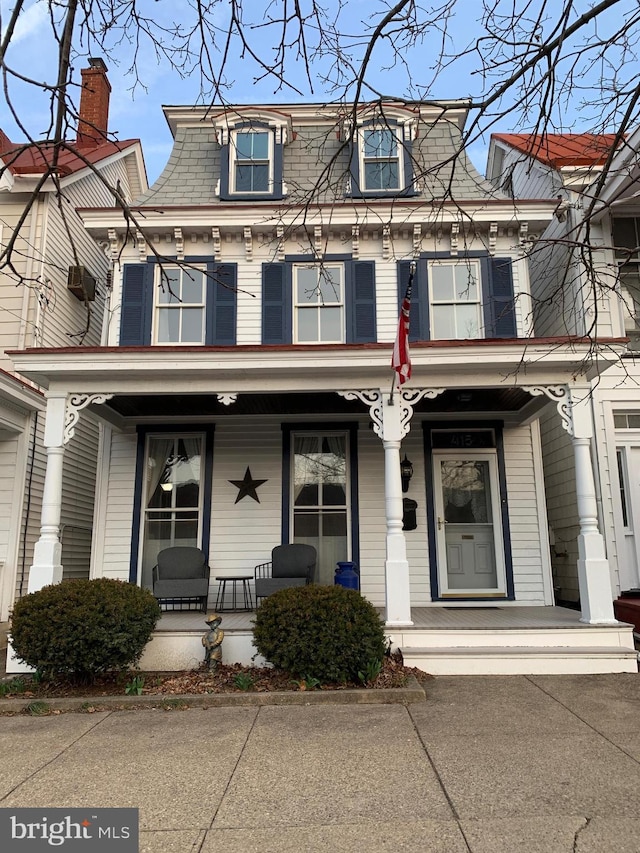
(181, 577)
(291, 565)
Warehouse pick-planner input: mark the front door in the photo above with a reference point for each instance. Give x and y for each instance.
(469, 542)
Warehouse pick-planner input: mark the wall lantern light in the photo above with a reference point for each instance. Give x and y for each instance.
(406, 473)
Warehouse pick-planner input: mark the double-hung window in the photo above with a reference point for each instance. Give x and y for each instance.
(251, 154)
(180, 306)
(319, 309)
(251, 162)
(626, 238)
(381, 159)
(455, 299)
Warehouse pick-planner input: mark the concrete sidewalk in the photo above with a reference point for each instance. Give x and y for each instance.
(489, 765)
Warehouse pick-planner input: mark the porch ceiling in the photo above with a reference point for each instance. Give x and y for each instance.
(458, 403)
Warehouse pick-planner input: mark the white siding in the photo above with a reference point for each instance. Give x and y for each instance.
(524, 520)
(562, 511)
(243, 533)
(249, 324)
(521, 176)
(112, 560)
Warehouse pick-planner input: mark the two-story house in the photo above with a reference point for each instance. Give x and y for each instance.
(245, 385)
(53, 286)
(585, 279)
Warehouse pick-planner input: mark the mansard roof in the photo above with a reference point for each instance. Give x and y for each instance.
(316, 135)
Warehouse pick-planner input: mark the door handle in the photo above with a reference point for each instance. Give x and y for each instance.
(441, 521)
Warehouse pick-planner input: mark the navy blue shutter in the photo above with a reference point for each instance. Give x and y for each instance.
(419, 313)
(222, 301)
(224, 172)
(408, 167)
(276, 304)
(360, 287)
(354, 166)
(277, 169)
(136, 305)
(499, 308)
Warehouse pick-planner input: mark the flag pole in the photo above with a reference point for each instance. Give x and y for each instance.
(406, 300)
(393, 383)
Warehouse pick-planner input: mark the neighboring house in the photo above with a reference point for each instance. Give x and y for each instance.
(606, 302)
(42, 304)
(245, 385)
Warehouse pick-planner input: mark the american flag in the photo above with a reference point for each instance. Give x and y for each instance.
(401, 359)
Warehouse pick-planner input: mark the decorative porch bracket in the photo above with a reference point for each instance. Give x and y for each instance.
(391, 422)
(227, 399)
(62, 417)
(75, 404)
(594, 574)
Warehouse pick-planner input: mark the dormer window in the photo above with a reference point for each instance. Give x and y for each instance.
(252, 161)
(381, 161)
(251, 155)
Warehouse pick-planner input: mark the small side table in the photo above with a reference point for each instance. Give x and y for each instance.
(234, 581)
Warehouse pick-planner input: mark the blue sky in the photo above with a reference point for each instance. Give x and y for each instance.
(136, 111)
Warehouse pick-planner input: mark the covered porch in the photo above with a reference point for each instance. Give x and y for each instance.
(452, 640)
(472, 405)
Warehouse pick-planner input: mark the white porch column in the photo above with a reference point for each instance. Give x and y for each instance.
(47, 562)
(391, 422)
(594, 576)
(396, 566)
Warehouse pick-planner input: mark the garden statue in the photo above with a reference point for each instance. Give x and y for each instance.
(212, 641)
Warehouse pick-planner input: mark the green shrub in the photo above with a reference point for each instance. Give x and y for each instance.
(327, 632)
(80, 628)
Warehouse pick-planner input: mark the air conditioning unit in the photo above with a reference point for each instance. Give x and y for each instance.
(81, 283)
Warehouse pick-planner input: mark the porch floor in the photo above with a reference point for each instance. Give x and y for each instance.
(439, 618)
(448, 640)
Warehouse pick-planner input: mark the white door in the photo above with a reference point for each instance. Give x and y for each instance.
(469, 543)
(628, 521)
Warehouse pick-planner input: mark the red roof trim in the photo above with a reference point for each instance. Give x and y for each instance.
(484, 342)
(36, 158)
(562, 149)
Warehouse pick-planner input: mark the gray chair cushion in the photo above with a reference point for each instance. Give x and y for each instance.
(179, 588)
(265, 586)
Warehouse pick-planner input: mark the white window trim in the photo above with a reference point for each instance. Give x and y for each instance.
(233, 160)
(157, 305)
(398, 132)
(297, 305)
(478, 303)
(144, 509)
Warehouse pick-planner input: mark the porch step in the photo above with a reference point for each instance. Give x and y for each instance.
(520, 660)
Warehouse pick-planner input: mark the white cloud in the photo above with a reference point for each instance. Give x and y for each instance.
(30, 21)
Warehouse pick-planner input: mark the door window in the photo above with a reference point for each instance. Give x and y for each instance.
(470, 553)
(320, 506)
(173, 497)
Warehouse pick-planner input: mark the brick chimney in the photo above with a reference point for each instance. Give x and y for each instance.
(94, 105)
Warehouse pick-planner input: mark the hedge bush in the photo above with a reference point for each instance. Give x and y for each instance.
(326, 632)
(80, 628)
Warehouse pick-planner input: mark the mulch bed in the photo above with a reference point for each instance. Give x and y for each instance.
(228, 678)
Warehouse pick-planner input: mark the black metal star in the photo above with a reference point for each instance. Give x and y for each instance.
(247, 487)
